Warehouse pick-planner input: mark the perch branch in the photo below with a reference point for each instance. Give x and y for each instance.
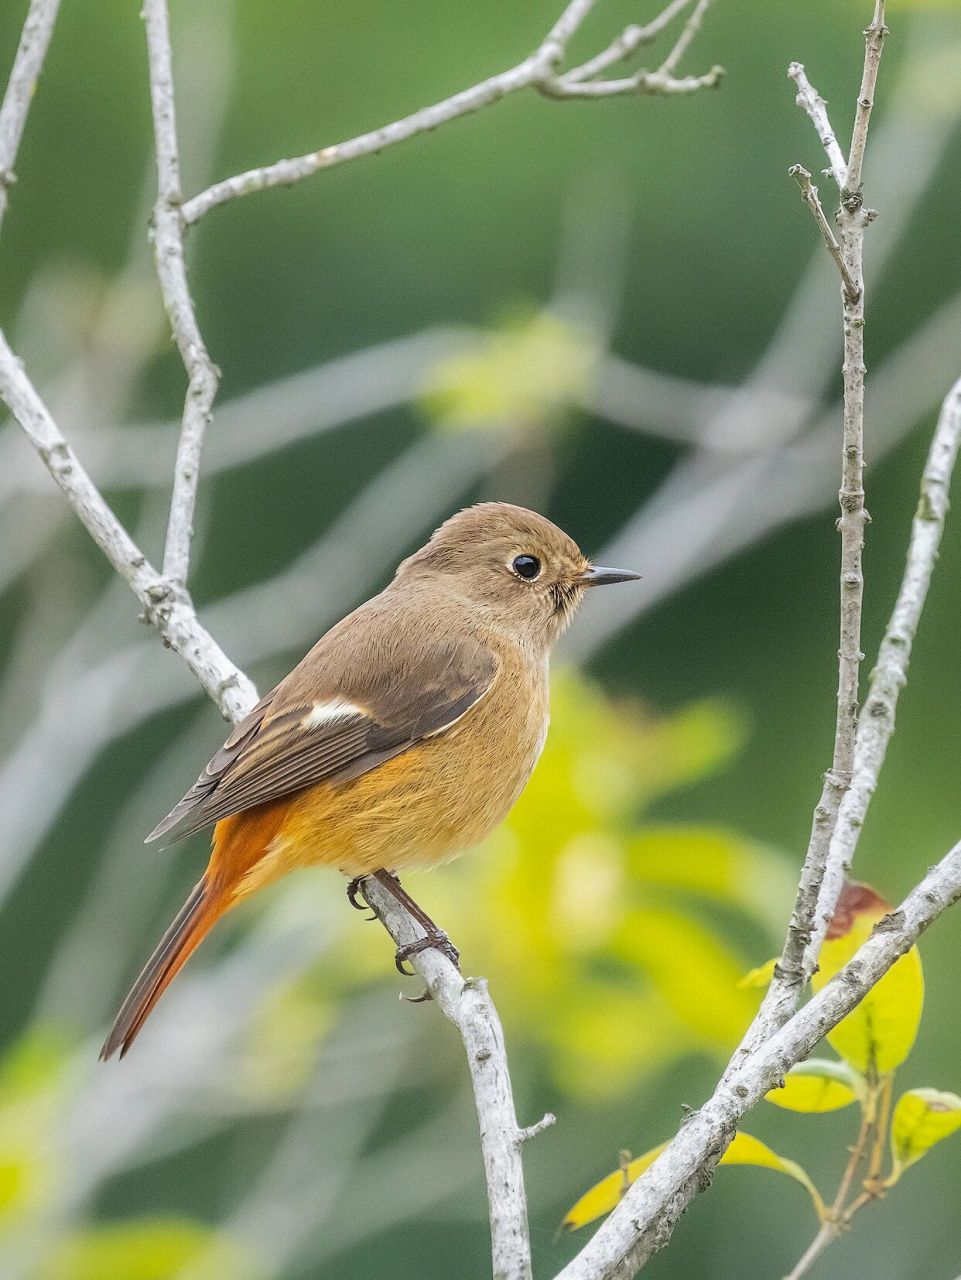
(538, 71)
(168, 231)
(27, 64)
(466, 1003)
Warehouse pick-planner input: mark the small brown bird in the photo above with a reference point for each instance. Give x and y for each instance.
(403, 737)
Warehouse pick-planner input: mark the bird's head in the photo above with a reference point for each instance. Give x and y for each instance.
(521, 570)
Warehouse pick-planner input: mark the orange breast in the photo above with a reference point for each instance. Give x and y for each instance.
(440, 797)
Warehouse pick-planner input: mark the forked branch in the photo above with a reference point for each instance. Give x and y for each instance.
(538, 71)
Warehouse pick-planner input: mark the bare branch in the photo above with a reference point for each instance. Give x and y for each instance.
(165, 607)
(630, 39)
(873, 44)
(683, 42)
(782, 995)
(168, 230)
(300, 406)
(27, 65)
(809, 194)
(538, 71)
(466, 1003)
(890, 674)
(809, 100)
(647, 1217)
(643, 82)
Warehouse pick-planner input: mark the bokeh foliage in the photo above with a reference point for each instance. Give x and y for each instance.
(639, 876)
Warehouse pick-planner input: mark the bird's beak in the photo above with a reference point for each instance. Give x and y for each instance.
(598, 576)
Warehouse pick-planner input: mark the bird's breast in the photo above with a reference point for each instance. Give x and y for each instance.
(426, 805)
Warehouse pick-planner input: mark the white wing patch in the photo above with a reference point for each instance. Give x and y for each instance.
(333, 709)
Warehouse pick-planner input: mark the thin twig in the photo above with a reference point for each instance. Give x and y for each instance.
(168, 229)
(27, 64)
(856, 1155)
(853, 219)
(653, 83)
(827, 1234)
(809, 194)
(683, 42)
(873, 1135)
(538, 71)
(630, 39)
(809, 100)
(874, 42)
(794, 967)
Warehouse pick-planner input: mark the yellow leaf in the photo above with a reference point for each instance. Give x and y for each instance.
(146, 1249)
(605, 1195)
(921, 1118)
(761, 976)
(24, 1181)
(531, 370)
(744, 1150)
(817, 1085)
(716, 865)
(877, 1036)
(691, 968)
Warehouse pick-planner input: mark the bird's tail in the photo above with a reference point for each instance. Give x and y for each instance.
(191, 925)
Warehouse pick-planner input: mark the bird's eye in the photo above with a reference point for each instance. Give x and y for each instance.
(527, 567)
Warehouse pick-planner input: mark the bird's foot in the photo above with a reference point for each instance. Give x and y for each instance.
(356, 898)
(435, 939)
(355, 894)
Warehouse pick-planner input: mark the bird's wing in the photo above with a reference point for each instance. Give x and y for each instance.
(315, 727)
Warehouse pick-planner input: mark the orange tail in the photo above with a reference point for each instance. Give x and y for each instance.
(191, 925)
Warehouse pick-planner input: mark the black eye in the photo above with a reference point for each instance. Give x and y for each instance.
(527, 567)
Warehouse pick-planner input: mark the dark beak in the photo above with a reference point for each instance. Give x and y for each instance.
(598, 576)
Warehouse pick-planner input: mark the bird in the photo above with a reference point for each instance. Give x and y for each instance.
(403, 738)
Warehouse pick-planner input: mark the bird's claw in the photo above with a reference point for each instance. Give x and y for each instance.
(355, 894)
(424, 996)
(435, 939)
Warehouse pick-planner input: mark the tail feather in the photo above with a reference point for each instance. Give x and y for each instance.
(184, 935)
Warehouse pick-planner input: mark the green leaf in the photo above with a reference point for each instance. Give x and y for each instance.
(818, 1085)
(921, 1119)
(878, 1035)
(145, 1249)
(744, 1150)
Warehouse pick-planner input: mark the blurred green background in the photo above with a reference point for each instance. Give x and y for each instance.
(614, 311)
